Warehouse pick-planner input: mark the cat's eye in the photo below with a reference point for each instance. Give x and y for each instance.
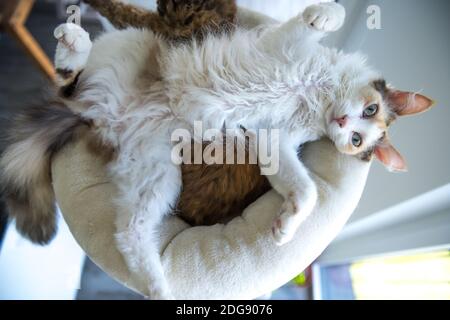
(356, 139)
(370, 111)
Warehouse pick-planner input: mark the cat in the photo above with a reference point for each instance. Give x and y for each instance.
(135, 90)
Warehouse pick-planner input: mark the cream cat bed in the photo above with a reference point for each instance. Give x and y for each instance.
(235, 261)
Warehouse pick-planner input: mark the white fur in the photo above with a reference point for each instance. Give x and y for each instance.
(73, 49)
(138, 91)
(325, 16)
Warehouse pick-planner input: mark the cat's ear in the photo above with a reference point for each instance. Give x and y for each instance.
(408, 103)
(390, 157)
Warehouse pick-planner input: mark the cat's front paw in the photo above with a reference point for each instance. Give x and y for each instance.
(73, 37)
(295, 209)
(326, 17)
(72, 51)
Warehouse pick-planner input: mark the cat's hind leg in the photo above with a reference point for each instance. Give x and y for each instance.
(149, 191)
(72, 53)
(292, 181)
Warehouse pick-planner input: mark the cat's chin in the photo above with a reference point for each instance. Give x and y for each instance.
(338, 147)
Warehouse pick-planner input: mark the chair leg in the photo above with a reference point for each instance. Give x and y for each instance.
(33, 49)
(18, 11)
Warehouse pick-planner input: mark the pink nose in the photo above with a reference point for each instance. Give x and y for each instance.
(341, 121)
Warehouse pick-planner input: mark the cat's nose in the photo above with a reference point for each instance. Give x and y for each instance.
(341, 121)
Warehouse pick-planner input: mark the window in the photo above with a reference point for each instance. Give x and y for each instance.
(423, 275)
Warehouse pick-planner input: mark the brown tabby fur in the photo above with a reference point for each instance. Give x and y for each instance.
(175, 20)
(217, 193)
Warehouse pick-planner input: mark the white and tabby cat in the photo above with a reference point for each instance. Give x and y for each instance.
(135, 90)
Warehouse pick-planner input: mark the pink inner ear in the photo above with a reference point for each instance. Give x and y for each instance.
(390, 157)
(408, 103)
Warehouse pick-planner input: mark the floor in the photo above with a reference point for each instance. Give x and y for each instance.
(21, 84)
(97, 285)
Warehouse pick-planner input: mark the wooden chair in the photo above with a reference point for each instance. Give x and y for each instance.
(13, 15)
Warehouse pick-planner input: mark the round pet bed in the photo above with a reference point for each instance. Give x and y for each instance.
(238, 260)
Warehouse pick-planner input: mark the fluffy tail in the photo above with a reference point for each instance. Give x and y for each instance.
(25, 178)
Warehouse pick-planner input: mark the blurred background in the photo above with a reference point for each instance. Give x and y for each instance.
(395, 246)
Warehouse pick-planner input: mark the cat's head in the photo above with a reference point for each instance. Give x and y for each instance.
(359, 123)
